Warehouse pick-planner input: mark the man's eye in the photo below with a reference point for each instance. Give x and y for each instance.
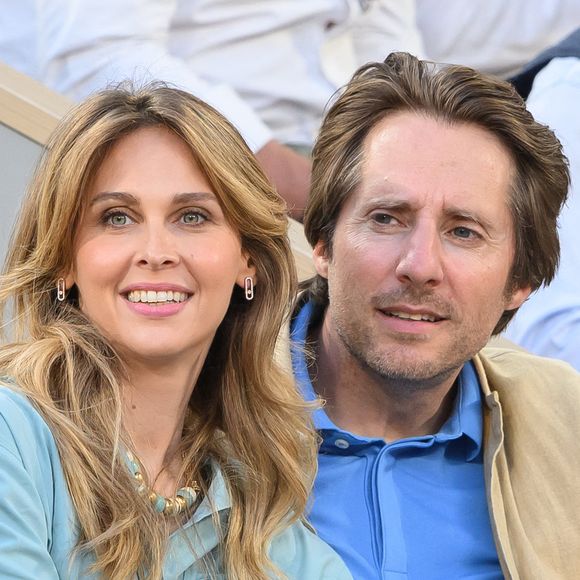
(465, 233)
(193, 218)
(383, 218)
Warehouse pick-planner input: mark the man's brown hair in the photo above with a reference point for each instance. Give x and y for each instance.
(453, 94)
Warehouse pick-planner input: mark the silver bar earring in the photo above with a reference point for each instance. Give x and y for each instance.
(60, 290)
(249, 288)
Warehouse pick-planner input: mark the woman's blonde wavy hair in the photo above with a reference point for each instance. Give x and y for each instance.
(246, 415)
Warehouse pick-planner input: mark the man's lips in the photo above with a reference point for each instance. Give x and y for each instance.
(418, 315)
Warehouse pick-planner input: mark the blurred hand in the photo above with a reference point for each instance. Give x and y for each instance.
(290, 174)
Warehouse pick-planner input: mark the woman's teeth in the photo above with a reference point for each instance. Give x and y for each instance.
(156, 297)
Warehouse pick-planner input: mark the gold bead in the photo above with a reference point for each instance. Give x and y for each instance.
(172, 506)
(169, 506)
(181, 503)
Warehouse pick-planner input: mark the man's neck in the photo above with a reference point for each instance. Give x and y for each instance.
(360, 401)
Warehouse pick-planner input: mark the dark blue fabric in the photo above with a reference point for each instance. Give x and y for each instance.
(568, 47)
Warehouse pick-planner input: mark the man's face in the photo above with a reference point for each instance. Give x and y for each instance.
(422, 251)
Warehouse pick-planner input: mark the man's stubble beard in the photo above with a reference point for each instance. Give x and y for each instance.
(406, 378)
(391, 365)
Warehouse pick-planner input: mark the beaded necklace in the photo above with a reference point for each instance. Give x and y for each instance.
(183, 499)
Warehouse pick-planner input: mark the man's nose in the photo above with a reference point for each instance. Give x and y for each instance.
(421, 258)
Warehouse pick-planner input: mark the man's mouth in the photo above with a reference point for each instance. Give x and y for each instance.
(418, 316)
(160, 297)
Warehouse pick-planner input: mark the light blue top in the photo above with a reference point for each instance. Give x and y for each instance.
(38, 524)
(548, 323)
(413, 508)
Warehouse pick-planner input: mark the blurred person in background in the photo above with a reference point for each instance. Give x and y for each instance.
(548, 323)
(270, 66)
(494, 36)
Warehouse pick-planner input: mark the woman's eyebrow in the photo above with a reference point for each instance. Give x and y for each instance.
(192, 197)
(120, 196)
(130, 199)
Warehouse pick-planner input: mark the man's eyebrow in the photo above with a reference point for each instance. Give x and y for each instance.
(130, 199)
(388, 202)
(391, 200)
(388, 194)
(457, 213)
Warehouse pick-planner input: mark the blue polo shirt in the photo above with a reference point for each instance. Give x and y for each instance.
(413, 508)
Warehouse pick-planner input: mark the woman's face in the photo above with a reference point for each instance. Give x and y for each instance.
(155, 259)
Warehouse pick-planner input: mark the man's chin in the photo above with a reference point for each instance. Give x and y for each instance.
(413, 371)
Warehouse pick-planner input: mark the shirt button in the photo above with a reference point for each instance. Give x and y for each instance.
(342, 443)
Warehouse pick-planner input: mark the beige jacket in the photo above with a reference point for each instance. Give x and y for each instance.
(532, 462)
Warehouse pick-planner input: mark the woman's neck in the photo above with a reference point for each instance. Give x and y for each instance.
(155, 404)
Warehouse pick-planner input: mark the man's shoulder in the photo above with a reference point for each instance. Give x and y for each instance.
(513, 372)
(538, 400)
(516, 361)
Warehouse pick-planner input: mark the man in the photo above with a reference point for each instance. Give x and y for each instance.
(433, 216)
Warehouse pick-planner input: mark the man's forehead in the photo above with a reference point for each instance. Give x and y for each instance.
(409, 158)
(408, 133)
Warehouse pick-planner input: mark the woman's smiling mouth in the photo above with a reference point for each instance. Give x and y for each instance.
(159, 297)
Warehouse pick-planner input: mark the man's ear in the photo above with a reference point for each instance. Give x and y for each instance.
(320, 257)
(518, 297)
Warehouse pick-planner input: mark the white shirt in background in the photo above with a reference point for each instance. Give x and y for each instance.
(269, 65)
(496, 36)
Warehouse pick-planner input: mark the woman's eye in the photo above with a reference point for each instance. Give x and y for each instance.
(192, 218)
(117, 219)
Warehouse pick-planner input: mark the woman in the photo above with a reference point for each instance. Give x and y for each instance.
(146, 430)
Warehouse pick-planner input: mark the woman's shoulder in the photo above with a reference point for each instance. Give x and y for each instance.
(23, 431)
(34, 501)
(300, 553)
